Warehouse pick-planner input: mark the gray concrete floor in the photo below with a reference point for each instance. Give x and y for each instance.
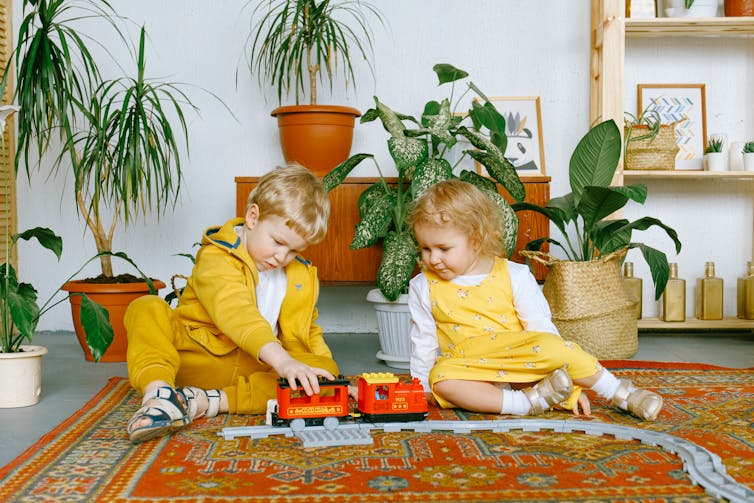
(69, 381)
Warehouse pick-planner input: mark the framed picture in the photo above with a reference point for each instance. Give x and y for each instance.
(682, 105)
(523, 124)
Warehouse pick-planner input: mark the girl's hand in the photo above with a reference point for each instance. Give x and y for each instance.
(583, 403)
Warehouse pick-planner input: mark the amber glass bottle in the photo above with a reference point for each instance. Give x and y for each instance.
(633, 285)
(709, 295)
(674, 297)
(745, 291)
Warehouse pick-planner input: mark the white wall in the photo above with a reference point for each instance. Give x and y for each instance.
(510, 48)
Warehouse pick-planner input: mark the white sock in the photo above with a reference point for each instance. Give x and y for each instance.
(515, 402)
(607, 385)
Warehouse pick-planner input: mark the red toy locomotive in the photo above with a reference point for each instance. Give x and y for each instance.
(382, 397)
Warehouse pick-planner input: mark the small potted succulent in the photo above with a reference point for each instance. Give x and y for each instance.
(714, 158)
(423, 150)
(748, 155)
(294, 43)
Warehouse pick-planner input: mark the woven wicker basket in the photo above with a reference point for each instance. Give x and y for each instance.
(590, 304)
(656, 153)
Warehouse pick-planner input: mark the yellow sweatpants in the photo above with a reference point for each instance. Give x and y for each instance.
(160, 348)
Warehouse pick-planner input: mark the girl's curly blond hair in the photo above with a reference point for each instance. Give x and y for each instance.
(465, 207)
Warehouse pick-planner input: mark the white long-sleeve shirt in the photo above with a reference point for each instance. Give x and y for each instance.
(530, 304)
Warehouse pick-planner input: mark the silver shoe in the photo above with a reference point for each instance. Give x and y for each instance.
(642, 403)
(553, 389)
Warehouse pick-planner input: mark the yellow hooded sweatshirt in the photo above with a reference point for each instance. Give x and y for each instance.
(213, 338)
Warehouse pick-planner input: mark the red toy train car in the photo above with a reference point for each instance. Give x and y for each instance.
(382, 397)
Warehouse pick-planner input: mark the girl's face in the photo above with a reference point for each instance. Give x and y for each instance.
(448, 252)
(270, 242)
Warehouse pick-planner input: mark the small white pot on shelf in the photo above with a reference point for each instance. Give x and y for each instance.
(715, 161)
(748, 161)
(700, 8)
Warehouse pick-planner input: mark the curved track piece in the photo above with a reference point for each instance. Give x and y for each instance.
(704, 467)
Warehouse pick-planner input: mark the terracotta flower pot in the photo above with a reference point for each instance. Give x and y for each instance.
(739, 7)
(115, 297)
(316, 136)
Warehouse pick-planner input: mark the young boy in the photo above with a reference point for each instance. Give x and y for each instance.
(246, 316)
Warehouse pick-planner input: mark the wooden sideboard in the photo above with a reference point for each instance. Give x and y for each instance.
(339, 265)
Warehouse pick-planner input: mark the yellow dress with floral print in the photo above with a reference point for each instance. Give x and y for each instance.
(482, 339)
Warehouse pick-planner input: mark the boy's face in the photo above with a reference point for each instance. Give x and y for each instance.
(270, 243)
(448, 252)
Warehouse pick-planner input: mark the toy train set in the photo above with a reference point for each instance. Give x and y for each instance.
(382, 397)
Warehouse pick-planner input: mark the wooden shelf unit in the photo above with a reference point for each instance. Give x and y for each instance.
(695, 324)
(339, 265)
(610, 29)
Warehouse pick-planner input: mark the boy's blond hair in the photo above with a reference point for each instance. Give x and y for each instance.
(465, 207)
(293, 193)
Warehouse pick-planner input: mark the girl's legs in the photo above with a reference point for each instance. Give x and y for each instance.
(482, 396)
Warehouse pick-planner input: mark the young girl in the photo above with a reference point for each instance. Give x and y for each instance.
(490, 321)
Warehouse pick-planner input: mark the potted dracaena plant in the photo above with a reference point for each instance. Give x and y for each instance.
(119, 139)
(422, 151)
(585, 290)
(293, 44)
(20, 361)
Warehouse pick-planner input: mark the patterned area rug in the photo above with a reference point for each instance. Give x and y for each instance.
(88, 457)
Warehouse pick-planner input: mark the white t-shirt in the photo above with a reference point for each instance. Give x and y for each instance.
(530, 304)
(270, 293)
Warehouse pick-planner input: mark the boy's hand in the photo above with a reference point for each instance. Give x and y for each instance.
(292, 370)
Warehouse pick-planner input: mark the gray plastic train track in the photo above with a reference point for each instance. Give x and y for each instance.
(705, 468)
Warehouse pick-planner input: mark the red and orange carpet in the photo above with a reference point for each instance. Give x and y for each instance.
(89, 458)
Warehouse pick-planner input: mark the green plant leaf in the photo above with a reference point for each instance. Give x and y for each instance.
(658, 266)
(407, 152)
(501, 170)
(376, 214)
(610, 235)
(95, 320)
(339, 173)
(448, 73)
(398, 263)
(599, 202)
(45, 236)
(22, 301)
(595, 159)
(428, 173)
(478, 180)
(488, 116)
(437, 120)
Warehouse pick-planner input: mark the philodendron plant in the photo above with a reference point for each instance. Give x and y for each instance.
(422, 151)
(591, 205)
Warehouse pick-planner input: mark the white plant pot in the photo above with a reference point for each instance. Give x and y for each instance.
(393, 325)
(715, 161)
(700, 8)
(748, 161)
(21, 377)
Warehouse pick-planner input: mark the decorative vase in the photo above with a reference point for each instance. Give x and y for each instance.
(748, 161)
(21, 377)
(115, 297)
(393, 326)
(317, 136)
(739, 8)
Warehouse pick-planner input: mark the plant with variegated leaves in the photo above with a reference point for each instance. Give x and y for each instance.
(421, 152)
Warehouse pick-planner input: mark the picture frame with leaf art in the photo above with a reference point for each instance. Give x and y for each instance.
(685, 106)
(523, 125)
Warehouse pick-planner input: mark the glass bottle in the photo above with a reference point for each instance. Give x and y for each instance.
(745, 291)
(633, 285)
(709, 295)
(674, 297)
